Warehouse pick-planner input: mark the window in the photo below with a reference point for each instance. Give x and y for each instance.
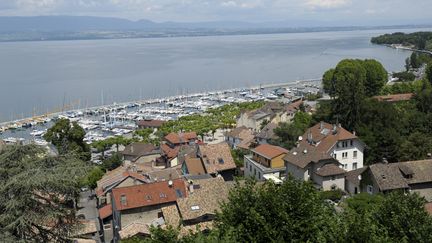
(254, 171)
(162, 195)
(344, 155)
(369, 189)
(195, 208)
(123, 200)
(250, 168)
(221, 161)
(351, 142)
(179, 193)
(259, 175)
(335, 156)
(355, 154)
(355, 166)
(148, 197)
(345, 166)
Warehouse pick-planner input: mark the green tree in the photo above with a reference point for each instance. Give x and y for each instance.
(380, 129)
(349, 78)
(112, 162)
(288, 133)
(376, 77)
(404, 218)
(429, 72)
(93, 176)
(291, 212)
(328, 82)
(101, 146)
(68, 137)
(423, 98)
(414, 62)
(38, 193)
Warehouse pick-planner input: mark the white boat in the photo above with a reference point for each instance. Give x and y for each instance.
(40, 142)
(37, 133)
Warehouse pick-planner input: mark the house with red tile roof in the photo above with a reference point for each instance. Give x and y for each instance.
(265, 162)
(217, 160)
(177, 139)
(153, 124)
(143, 204)
(323, 154)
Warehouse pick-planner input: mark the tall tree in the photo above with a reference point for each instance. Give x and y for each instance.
(376, 77)
(291, 212)
(328, 82)
(37, 194)
(68, 137)
(349, 78)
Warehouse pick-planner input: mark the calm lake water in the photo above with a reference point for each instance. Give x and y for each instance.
(36, 77)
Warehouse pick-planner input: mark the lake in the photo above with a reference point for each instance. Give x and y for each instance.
(40, 77)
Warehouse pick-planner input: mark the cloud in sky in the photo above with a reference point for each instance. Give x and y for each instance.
(345, 11)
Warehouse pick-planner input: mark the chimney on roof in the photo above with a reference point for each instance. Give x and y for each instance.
(340, 125)
(132, 148)
(191, 186)
(310, 138)
(334, 131)
(354, 133)
(384, 160)
(429, 155)
(321, 125)
(170, 183)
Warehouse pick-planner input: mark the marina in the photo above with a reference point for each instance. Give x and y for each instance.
(103, 122)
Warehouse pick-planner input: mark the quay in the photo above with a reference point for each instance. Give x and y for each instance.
(179, 101)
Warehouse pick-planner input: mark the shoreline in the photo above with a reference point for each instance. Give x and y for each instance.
(45, 118)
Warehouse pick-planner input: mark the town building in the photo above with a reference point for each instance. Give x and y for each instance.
(153, 124)
(267, 134)
(177, 139)
(323, 154)
(141, 153)
(217, 160)
(238, 135)
(266, 162)
(142, 205)
(409, 176)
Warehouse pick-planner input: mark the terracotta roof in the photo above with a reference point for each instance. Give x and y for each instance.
(330, 170)
(140, 149)
(402, 174)
(246, 142)
(186, 151)
(293, 107)
(316, 144)
(395, 97)
(268, 131)
(148, 194)
(179, 138)
(171, 215)
(195, 166)
(353, 175)
(235, 133)
(388, 176)
(205, 198)
(217, 157)
(122, 173)
(269, 151)
(150, 123)
(85, 227)
(105, 211)
(164, 174)
(169, 152)
(134, 229)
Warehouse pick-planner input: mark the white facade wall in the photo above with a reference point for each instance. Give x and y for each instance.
(251, 170)
(297, 172)
(328, 182)
(349, 161)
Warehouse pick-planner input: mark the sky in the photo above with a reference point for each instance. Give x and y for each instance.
(334, 11)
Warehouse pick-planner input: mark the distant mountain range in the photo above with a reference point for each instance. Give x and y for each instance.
(85, 23)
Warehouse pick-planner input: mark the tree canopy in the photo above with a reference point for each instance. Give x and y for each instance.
(37, 194)
(68, 137)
